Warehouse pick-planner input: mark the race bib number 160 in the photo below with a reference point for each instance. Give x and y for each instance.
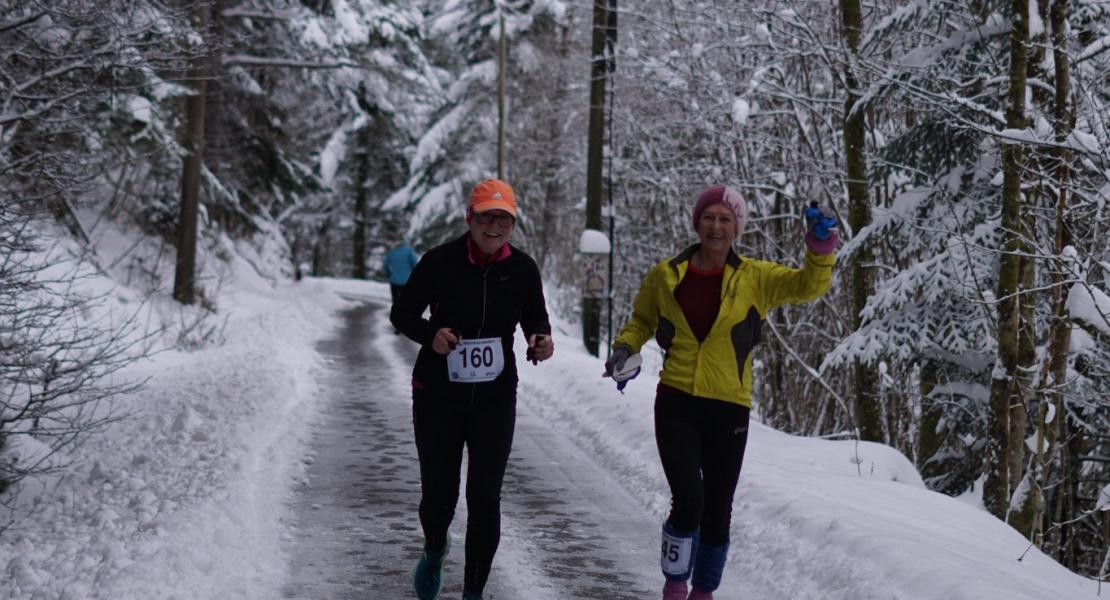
(476, 360)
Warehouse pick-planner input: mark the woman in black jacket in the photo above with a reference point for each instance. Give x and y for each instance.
(479, 288)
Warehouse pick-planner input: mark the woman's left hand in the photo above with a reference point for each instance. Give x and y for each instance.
(821, 231)
(540, 347)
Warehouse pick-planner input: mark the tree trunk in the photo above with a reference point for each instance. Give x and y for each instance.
(868, 411)
(553, 198)
(184, 284)
(595, 156)
(1022, 484)
(552, 204)
(1006, 377)
(321, 250)
(217, 135)
(358, 256)
(1050, 395)
(929, 439)
(1073, 445)
(774, 403)
(1056, 367)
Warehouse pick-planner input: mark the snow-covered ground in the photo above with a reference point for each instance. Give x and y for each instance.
(187, 498)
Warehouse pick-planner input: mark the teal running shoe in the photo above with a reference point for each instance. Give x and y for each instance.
(427, 575)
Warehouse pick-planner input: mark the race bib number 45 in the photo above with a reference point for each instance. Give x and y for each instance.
(476, 360)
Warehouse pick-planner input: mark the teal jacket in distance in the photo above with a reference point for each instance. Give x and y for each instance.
(398, 264)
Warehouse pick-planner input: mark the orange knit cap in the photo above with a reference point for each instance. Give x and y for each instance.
(493, 194)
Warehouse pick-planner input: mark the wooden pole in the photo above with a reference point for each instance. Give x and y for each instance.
(501, 96)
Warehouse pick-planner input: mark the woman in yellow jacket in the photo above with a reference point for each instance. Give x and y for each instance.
(705, 307)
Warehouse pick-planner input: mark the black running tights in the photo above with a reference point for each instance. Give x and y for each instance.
(444, 423)
(701, 445)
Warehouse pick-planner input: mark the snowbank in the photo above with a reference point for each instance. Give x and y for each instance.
(185, 497)
(813, 518)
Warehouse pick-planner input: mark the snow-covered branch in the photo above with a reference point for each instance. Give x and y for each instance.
(293, 63)
(21, 21)
(1094, 49)
(246, 13)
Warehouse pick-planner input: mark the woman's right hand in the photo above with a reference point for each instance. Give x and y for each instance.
(616, 360)
(445, 340)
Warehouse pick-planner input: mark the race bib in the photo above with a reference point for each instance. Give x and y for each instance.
(476, 360)
(676, 555)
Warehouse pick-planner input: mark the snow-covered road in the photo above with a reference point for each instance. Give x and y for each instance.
(356, 532)
(275, 464)
(568, 529)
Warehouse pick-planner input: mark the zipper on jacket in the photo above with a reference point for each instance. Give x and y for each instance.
(697, 357)
(474, 386)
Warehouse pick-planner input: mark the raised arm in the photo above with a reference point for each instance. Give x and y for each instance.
(783, 285)
(780, 284)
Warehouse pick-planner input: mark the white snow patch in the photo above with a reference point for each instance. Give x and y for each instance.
(1104, 499)
(740, 112)
(331, 155)
(593, 241)
(141, 109)
(1091, 305)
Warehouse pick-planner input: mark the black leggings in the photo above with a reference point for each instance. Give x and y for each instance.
(701, 445)
(444, 422)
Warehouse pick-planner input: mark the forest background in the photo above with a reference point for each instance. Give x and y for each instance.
(963, 145)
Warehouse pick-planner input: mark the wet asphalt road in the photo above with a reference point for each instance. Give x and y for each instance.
(568, 529)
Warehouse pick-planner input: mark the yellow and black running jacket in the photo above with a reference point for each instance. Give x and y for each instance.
(720, 367)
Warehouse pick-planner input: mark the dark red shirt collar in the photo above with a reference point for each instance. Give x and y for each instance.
(481, 259)
(698, 271)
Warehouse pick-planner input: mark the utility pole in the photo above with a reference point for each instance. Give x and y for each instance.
(599, 66)
(501, 95)
(611, 66)
(184, 282)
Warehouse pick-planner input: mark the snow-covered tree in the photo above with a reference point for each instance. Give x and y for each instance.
(458, 145)
(69, 71)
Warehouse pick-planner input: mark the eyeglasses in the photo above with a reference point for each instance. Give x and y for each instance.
(489, 218)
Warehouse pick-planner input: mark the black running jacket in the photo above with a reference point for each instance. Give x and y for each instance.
(478, 302)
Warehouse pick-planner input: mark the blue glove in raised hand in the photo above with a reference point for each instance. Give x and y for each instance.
(820, 221)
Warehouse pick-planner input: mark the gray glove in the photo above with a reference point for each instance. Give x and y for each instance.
(616, 360)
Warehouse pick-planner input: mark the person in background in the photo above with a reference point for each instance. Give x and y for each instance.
(398, 265)
(479, 288)
(705, 307)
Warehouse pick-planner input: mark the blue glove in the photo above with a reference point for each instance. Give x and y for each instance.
(819, 221)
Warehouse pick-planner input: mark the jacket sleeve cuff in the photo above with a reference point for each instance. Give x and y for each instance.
(822, 247)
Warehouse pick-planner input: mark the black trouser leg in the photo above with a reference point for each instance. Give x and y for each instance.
(489, 440)
(394, 291)
(701, 446)
(723, 457)
(678, 439)
(439, 445)
(443, 425)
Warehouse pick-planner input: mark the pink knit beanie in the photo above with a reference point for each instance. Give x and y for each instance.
(719, 194)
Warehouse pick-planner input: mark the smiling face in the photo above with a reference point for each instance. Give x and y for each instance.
(717, 228)
(491, 229)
